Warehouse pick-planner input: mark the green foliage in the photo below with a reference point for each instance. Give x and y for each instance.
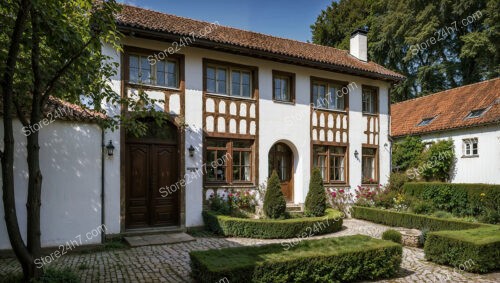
(342, 259)
(273, 229)
(274, 201)
(480, 200)
(220, 205)
(410, 220)
(475, 250)
(467, 54)
(396, 181)
(405, 155)
(442, 214)
(385, 199)
(392, 235)
(437, 160)
(421, 207)
(315, 204)
(50, 276)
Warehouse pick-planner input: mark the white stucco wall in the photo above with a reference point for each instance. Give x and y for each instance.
(70, 160)
(482, 169)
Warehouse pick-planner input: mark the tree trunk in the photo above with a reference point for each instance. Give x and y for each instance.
(34, 174)
(7, 156)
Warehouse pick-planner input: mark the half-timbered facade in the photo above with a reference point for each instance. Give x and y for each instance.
(241, 105)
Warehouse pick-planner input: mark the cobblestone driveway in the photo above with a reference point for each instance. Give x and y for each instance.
(170, 263)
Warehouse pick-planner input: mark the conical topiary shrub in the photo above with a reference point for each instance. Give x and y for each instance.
(316, 197)
(274, 201)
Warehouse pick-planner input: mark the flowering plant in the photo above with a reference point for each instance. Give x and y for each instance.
(339, 199)
(365, 196)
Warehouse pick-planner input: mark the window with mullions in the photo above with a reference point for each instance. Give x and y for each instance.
(369, 101)
(238, 83)
(228, 161)
(368, 164)
(328, 96)
(283, 86)
(470, 147)
(331, 160)
(163, 73)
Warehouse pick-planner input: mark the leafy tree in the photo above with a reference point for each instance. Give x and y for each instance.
(406, 153)
(274, 200)
(315, 204)
(453, 53)
(53, 49)
(437, 160)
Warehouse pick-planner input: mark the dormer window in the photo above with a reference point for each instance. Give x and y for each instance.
(425, 121)
(475, 113)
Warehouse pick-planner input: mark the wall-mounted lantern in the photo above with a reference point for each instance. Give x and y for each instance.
(110, 148)
(191, 150)
(356, 154)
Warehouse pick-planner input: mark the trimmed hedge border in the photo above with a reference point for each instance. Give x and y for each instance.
(273, 229)
(475, 250)
(342, 259)
(410, 220)
(459, 199)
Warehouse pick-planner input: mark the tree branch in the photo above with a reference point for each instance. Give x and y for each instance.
(60, 72)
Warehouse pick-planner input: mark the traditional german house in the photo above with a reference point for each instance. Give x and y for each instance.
(242, 104)
(468, 115)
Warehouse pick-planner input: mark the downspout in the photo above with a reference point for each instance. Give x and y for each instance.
(103, 154)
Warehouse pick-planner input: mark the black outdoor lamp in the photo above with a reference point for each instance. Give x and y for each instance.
(356, 154)
(191, 150)
(110, 147)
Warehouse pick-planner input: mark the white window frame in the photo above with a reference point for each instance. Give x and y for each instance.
(470, 147)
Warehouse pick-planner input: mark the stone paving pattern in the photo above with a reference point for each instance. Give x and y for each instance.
(170, 263)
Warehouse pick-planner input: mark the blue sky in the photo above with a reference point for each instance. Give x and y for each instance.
(289, 19)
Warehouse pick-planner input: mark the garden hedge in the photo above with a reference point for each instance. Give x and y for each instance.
(273, 229)
(459, 199)
(410, 220)
(341, 259)
(474, 250)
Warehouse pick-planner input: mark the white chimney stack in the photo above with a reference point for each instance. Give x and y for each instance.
(358, 46)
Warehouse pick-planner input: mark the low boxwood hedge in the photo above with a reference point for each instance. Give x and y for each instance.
(459, 199)
(342, 259)
(410, 220)
(474, 250)
(271, 228)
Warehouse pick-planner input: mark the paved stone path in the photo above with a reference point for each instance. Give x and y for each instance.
(170, 263)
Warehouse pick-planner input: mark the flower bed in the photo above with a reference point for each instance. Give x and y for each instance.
(477, 250)
(273, 229)
(342, 259)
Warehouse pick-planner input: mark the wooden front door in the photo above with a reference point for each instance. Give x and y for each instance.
(281, 160)
(150, 165)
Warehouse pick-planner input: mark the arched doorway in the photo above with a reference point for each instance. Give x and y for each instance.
(281, 160)
(152, 162)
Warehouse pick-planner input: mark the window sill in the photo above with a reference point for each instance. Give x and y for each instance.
(229, 186)
(370, 114)
(284, 102)
(153, 86)
(230, 96)
(330, 110)
(470, 156)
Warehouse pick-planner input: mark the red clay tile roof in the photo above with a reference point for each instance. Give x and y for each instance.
(63, 110)
(449, 107)
(71, 112)
(148, 20)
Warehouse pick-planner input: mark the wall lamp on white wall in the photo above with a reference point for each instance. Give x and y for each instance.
(191, 150)
(356, 154)
(110, 148)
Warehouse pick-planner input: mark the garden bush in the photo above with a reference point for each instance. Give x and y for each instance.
(406, 153)
(273, 229)
(315, 204)
(474, 250)
(342, 259)
(274, 201)
(396, 182)
(410, 220)
(392, 235)
(481, 200)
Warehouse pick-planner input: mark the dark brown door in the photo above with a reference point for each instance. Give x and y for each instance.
(281, 160)
(150, 166)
